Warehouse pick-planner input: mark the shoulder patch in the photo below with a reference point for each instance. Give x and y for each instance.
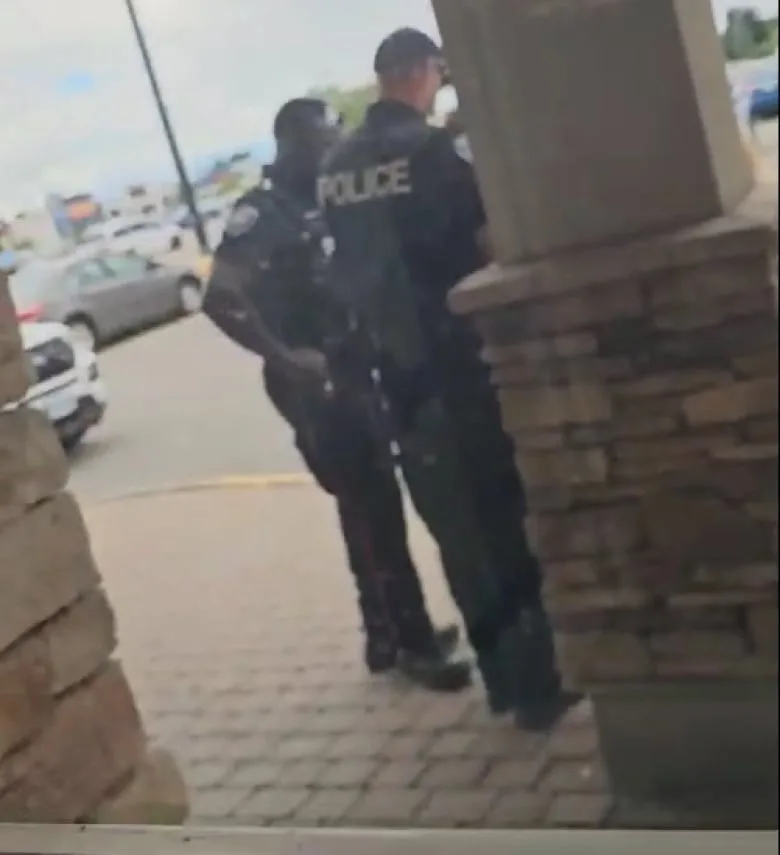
(241, 220)
(462, 148)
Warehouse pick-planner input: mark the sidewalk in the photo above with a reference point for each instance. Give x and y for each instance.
(239, 631)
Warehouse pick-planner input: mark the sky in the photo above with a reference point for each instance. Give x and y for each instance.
(76, 111)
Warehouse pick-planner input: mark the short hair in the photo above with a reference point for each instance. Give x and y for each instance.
(294, 116)
(403, 50)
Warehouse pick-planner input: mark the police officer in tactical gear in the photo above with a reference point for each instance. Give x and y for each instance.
(402, 203)
(266, 293)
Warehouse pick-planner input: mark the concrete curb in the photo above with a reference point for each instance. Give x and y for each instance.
(227, 482)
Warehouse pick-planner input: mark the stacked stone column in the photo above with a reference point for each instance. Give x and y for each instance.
(631, 325)
(72, 745)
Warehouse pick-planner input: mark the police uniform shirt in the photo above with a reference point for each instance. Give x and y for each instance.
(263, 251)
(428, 181)
(424, 178)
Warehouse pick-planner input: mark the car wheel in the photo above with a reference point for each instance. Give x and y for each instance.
(83, 332)
(190, 296)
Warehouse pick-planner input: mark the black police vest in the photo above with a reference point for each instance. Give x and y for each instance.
(290, 269)
(362, 190)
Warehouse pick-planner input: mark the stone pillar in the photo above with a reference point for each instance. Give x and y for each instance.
(631, 327)
(72, 745)
(579, 109)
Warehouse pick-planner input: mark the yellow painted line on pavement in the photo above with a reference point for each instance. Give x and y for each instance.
(252, 482)
(225, 482)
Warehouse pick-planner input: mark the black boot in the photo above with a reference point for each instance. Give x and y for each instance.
(495, 660)
(497, 679)
(434, 671)
(542, 715)
(540, 699)
(448, 639)
(380, 659)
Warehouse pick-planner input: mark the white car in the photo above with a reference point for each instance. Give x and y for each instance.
(142, 236)
(67, 385)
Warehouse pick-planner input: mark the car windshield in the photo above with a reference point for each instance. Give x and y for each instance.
(32, 284)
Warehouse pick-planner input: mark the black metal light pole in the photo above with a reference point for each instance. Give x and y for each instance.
(181, 170)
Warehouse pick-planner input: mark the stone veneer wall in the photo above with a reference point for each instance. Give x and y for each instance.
(640, 384)
(72, 745)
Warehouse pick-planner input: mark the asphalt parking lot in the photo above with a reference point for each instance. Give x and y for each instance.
(184, 405)
(187, 405)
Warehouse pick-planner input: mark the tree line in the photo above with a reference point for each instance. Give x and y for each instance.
(351, 103)
(748, 35)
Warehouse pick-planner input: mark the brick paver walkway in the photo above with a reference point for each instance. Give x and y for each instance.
(240, 634)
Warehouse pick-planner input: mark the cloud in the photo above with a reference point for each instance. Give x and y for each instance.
(79, 107)
(76, 106)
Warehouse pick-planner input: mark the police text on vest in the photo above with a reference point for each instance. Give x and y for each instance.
(376, 182)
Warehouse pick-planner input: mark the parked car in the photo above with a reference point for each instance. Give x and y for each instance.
(764, 93)
(140, 235)
(66, 385)
(754, 85)
(101, 296)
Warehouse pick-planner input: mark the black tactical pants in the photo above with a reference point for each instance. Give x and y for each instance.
(459, 465)
(439, 490)
(336, 440)
(488, 460)
(492, 478)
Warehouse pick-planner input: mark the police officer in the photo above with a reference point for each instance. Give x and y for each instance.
(266, 294)
(402, 203)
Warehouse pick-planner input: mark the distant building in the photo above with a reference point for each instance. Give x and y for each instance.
(73, 215)
(143, 200)
(60, 221)
(58, 212)
(36, 229)
(246, 168)
(228, 176)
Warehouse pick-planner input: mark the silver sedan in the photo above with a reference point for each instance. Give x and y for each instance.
(104, 296)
